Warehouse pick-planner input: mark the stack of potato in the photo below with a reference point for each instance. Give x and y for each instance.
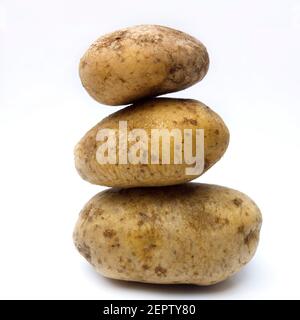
(152, 226)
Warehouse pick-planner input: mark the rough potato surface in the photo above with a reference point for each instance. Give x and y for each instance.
(141, 61)
(153, 113)
(192, 233)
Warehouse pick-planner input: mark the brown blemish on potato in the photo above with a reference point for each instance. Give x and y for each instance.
(110, 39)
(160, 271)
(145, 267)
(84, 250)
(109, 233)
(252, 235)
(221, 221)
(176, 74)
(241, 229)
(194, 122)
(237, 201)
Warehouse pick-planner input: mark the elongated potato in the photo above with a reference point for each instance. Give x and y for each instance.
(142, 61)
(158, 113)
(192, 233)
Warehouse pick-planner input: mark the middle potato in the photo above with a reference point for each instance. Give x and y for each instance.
(156, 142)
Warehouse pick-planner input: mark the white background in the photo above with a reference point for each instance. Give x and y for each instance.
(253, 83)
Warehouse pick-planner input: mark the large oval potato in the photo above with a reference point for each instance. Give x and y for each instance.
(142, 61)
(161, 113)
(192, 233)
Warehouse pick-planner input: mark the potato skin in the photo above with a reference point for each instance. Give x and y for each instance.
(142, 61)
(192, 233)
(153, 113)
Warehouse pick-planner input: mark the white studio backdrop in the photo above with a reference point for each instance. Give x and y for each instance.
(253, 83)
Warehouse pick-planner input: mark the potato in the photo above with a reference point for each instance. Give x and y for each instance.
(142, 61)
(192, 233)
(161, 113)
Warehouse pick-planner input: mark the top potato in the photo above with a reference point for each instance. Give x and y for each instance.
(141, 61)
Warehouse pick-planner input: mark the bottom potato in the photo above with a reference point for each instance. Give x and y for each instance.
(193, 233)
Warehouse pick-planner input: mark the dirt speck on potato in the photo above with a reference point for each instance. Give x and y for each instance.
(237, 201)
(109, 233)
(160, 271)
